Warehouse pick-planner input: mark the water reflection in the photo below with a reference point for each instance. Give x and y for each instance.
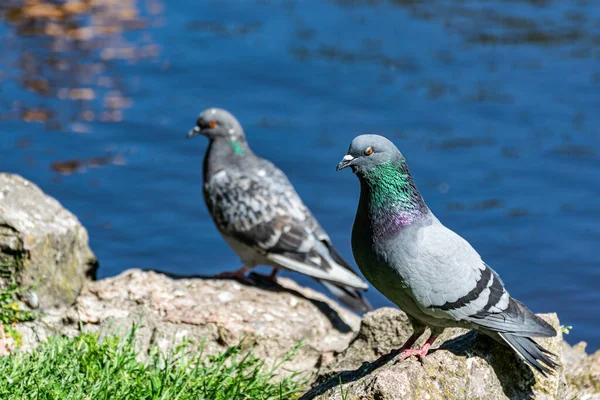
(509, 22)
(65, 54)
(80, 165)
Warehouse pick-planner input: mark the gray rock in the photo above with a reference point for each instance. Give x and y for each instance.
(47, 242)
(269, 318)
(582, 372)
(466, 366)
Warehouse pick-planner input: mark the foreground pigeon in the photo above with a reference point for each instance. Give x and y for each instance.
(430, 272)
(260, 215)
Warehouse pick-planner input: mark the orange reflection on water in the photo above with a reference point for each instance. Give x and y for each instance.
(67, 53)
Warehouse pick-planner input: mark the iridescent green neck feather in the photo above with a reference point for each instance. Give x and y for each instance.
(237, 149)
(393, 201)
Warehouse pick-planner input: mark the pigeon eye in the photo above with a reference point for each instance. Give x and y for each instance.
(212, 124)
(368, 151)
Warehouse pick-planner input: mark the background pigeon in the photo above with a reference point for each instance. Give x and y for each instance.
(430, 272)
(260, 215)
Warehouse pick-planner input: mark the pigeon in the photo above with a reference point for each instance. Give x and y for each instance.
(428, 270)
(262, 218)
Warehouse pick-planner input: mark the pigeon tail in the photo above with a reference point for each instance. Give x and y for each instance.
(335, 274)
(350, 297)
(531, 352)
(516, 319)
(543, 328)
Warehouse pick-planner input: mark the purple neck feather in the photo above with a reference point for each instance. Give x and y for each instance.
(392, 199)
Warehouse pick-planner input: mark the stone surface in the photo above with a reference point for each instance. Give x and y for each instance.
(47, 241)
(466, 366)
(582, 372)
(269, 318)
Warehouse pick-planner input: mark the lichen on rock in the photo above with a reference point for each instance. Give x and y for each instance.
(582, 371)
(465, 366)
(47, 241)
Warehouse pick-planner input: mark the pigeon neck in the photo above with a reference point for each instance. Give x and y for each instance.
(391, 197)
(223, 151)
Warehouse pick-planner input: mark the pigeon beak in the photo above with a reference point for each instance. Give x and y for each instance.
(193, 132)
(345, 162)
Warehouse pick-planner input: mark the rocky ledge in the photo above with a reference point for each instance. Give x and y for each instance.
(343, 353)
(44, 243)
(340, 351)
(464, 365)
(268, 318)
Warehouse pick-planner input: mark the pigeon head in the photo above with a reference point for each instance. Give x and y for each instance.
(392, 196)
(217, 123)
(367, 152)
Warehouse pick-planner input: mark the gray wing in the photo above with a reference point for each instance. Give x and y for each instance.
(453, 282)
(260, 208)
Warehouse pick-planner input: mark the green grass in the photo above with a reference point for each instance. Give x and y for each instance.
(10, 311)
(566, 329)
(346, 393)
(88, 368)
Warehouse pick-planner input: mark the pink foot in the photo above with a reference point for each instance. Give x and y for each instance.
(239, 274)
(422, 352)
(406, 346)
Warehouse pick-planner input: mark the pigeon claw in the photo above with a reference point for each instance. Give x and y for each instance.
(422, 352)
(239, 275)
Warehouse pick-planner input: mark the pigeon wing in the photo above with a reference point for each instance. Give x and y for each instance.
(263, 211)
(452, 281)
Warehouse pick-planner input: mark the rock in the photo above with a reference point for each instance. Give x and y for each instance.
(466, 366)
(46, 242)
(269, 318)
(582, 372)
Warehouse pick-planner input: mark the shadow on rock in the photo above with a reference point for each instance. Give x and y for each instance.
(515, 376)
(258, 281)
(466, 365)
(349, 376)
(215, 313)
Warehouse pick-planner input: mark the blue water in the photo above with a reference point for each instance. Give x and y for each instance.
(494, 104)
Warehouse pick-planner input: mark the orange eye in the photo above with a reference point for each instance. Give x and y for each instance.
(212, 124)
(368, 151)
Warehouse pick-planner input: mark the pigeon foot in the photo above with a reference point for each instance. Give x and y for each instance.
(422, 352)
(239, 274)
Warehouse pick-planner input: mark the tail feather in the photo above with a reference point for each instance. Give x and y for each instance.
(531, 352)
(335, 273)
(516, 319)
(350, 297)
(337, 257)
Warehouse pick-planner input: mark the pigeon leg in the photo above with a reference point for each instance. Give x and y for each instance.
(422, 352)
(406, 346)
(274, 274)
(272, 277)
(239, 274)
(410, 341)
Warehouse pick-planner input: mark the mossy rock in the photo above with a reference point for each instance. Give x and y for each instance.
(45, 243)
(463, 365)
